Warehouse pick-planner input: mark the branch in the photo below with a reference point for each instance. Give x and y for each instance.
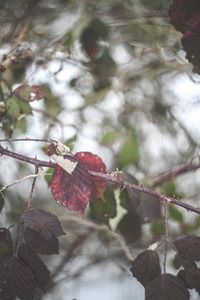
(34, 161)
(127, 185)
(166, 234)
(112, 177)
(29, 140)
(173, 174)
(29, 203)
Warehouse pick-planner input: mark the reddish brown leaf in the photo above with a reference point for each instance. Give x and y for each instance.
(146, 266)
(6, 246)
(93, 162)
(32, 260)
(72, 185)
(72, 190)
(29, 93)
(16, 279)
(43, 222)
(188, 247)
(39, 244)
(190, 275)
(166, 287)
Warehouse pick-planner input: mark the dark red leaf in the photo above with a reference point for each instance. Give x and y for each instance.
(72, 190)
(43, 222)
(29, 93)
(6, 246)
(190, 275)
(72, 185)
(146, 267)
(166, 287)
(188, 247)
(39, 244)
(93, 162)
(32, 260)
(16, 279)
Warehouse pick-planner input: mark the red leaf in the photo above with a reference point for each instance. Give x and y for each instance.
(74, 189)
(94, 163)
(29, 93)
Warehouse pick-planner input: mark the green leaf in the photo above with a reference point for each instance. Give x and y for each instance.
(129, 152)
(70, 142)
(104, 66)
(130, 227)
(175, 214)
(13, 107)
(157, 4)
(48, 176)
(104, 209)
(51, 102)
(169, 188)
(25, 108)
(6, 246)
(22, 124)
(109, 137)
(1, 201)
(158, 227)
(197, 222)
(91, 35)
(176, 262)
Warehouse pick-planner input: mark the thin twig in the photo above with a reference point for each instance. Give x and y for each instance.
(166, 237)
(29, 203)
(173, 174)
(3, 188)
(28, 140)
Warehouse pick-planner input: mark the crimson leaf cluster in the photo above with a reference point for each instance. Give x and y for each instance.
(23, 274)
(146, 269)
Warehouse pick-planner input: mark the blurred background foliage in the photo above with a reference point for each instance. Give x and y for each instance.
(109, 71)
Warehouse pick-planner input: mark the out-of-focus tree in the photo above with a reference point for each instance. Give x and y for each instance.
(99, 75)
